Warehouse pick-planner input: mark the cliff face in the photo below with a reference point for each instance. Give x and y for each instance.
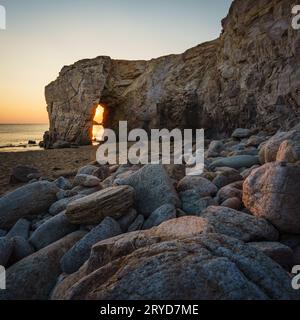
(248, 77)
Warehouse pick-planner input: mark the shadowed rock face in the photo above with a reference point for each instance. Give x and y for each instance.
(248, 77)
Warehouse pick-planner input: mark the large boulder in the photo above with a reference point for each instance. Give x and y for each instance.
(241, 133)
(101, 172)
(289, 151)
(272, 192)
(226, 177)
(110, 202)
(205, 267)
(160, 215)
(238, 224)
(31, 199)
(21, 249)
(236, 162)
(233, 203)
(200, 185)
(51, 231)
(86, 180)
(6, 248)
(127, 219)
(20, 229)
(34, 277)
(80, 252)
(113, 248)
(193, 203)
(215, 148)
(22, 174)
(63, 183)
(62, 204)
(272, 148)
(86, 191)
(153, 188)
(137, 224)
(232, 190)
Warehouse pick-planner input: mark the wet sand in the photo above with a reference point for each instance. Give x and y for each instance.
(51, 163)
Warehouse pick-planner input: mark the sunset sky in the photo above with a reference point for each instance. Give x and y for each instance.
(43, 36)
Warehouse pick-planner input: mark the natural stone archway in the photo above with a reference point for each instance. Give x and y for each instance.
(248, 77)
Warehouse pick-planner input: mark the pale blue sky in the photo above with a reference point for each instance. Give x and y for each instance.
(43, 36)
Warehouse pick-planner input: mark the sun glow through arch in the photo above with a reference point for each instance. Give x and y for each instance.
(97, 125)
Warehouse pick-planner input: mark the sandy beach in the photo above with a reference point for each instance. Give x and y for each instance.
(51, 163)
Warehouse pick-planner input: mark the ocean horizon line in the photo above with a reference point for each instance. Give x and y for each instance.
(29, 123)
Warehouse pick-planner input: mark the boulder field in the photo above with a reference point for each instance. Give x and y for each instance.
(151, 232)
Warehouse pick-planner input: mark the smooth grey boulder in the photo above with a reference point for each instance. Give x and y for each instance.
(80, 252)
(160, 215)
(21, 173)
(202, 186)
(35, 276)
(127, 219)
(236, 162)
(101, 172)
(255, 141)
(226, 177)
(153, 188)
(137, 224)
(31, 199)
(20, 229)
(51, 231)
(86, 180)
(65, 194)
(215, 148)
(246, 152)
(233, 203)
(63, 183)
(193, 203)
(6, 247)
(62, 204)
(85, 191)
(239, 225)
(241, 133)
(21, 249)
(228, 192)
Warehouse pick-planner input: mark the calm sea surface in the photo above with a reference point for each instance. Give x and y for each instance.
(15, 137)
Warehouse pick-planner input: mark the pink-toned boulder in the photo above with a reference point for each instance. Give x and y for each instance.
(273, 150)
(272, 192)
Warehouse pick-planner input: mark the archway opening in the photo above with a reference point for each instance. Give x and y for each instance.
(98, 128)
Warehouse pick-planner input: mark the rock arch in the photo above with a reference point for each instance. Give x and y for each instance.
(233, 81)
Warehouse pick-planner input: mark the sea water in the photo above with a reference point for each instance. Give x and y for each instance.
(15, 137)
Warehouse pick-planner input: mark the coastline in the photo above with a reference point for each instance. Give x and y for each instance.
(20, 148)
(51, 163)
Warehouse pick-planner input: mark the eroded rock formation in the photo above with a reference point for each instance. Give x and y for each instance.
(248, 77)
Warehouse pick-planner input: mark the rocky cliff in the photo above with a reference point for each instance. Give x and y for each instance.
(248, 77)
